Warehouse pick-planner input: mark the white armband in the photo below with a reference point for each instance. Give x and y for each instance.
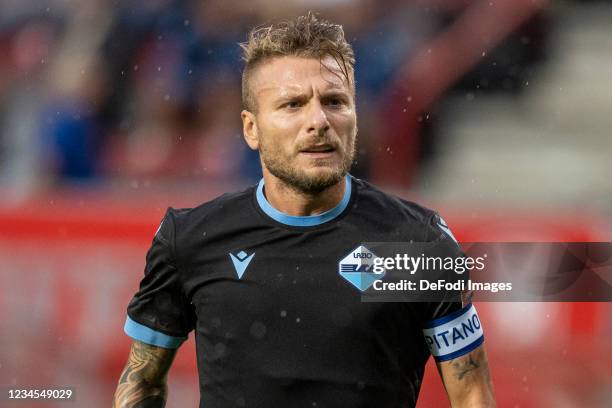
(454, 335)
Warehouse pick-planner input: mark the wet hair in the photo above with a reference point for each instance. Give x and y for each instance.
(305, 36)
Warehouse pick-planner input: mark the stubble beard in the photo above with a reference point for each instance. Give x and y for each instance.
(281, 167)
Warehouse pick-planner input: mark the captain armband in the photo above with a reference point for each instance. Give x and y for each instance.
(454, 335)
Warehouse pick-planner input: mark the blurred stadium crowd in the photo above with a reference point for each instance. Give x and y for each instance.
(93, 90)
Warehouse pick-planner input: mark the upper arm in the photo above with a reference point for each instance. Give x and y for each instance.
(159, 319)
(455, 339)
(467, 379)
(148, 363)
(160, 313)
(456, 342)
(143, 380)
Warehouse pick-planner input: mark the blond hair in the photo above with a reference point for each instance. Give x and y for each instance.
(306, 36)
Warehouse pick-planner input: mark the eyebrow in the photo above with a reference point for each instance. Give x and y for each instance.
(331, 89)
(329, 93)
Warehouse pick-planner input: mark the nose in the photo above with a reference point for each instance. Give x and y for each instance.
(317, 118)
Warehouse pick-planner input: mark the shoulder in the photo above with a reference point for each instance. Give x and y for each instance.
(375, 200)
(393, 211)
(217, 213)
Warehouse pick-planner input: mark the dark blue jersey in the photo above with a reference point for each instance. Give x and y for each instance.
(276, 324)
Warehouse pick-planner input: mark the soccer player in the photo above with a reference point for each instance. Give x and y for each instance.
(256, 274)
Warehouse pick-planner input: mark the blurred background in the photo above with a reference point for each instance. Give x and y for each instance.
(498, 113)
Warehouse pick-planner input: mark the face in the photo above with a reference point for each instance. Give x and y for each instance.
(305, 123)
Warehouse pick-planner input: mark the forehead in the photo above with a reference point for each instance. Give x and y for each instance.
(297, 74)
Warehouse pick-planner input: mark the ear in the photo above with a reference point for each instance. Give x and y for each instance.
(249, 129)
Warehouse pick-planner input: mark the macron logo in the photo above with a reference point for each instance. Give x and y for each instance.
(241, 261)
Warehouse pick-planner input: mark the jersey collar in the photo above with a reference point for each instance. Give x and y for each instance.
(304, 220)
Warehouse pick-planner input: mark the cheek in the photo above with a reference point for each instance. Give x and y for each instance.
(280, 129)
(282, 122)
(345, 126)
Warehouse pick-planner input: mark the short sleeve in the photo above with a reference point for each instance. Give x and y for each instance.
(451, 327)
(159, 313)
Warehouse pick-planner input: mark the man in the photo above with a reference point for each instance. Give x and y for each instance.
(255, 273)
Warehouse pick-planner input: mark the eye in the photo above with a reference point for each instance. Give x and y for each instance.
(291, 105)
(335, 102)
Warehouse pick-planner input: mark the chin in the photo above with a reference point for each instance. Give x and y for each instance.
(321, 178)
(325, 173)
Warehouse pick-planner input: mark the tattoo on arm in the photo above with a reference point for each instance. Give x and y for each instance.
(154, 401)
(464, 366)
(467, 380)
(143, 381)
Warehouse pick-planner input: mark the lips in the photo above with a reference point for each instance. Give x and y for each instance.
(325, 148)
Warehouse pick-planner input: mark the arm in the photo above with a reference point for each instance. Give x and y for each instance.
(143, 381)
(467, 380)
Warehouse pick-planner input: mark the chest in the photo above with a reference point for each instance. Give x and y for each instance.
(279, 283)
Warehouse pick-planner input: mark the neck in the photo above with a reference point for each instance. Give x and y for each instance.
(291, 201)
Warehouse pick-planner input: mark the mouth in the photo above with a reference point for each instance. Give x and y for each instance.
(317, 151)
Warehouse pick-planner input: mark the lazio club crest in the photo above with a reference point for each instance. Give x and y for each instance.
(357, 268)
